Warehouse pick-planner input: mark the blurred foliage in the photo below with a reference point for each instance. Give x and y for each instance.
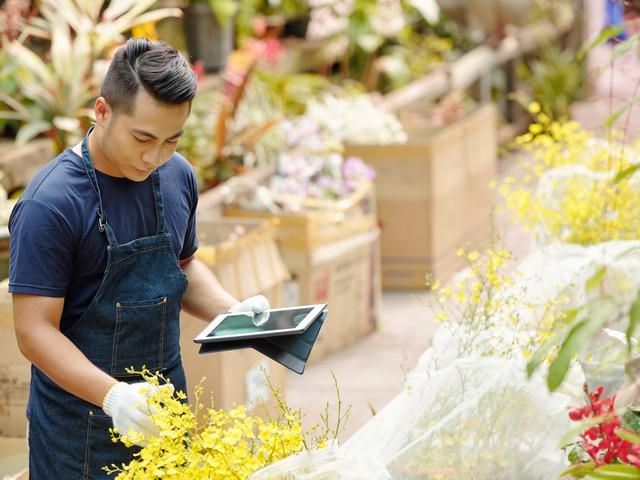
(232, 129)
(54, 90)
(290, 93)
(555, 79)
(9, 87)
(253, 16)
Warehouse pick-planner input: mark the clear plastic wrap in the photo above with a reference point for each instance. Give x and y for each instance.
(477, 419)
(467, 414)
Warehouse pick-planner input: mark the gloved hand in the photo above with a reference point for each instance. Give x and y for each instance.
(257, 307)
(128, 406)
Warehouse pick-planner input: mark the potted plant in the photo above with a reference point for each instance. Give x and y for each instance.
(58, 90)
(209, 31)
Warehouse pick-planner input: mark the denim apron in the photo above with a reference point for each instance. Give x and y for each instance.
(132, 321)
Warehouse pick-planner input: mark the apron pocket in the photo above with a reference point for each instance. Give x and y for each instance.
(100, 451)
(139, 336)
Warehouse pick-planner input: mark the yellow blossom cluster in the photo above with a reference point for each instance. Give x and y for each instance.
(593, 205)
(485, 297)
(226, 445)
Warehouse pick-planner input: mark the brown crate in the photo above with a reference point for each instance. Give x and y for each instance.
(433, 196)
(342, 274)
(320, 222)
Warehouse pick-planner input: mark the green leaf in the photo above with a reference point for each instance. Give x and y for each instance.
(153, 16)
(634, 320)
(615, 116)
(538, 357)
(9, 115)
(579, 470)
(630, 437)
(615, 472)
(28, 60)
(604, 35)
(596, 279)
(31, 130)
(578, 336)
(579, 427)
(631, 420)
(17, 107)
(576, 455)
(627, 172)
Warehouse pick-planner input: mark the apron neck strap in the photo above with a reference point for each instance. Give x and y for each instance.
(157, 195)
(103, 225)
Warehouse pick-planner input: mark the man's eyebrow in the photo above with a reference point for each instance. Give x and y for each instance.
(151, 135)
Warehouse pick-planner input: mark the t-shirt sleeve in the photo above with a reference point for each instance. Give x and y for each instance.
(190, 244)
(41, 250)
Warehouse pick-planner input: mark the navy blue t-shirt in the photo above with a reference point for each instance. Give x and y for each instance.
(56, 249)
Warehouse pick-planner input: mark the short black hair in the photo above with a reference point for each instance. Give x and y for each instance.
(157, 67)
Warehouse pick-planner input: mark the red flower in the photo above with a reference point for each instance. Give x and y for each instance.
(601, 442)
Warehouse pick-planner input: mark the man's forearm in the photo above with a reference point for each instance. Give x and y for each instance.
(53, 353)
(37, 324)
(205, 297)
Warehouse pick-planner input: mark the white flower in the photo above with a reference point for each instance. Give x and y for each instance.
(429, 9)
(388, 19)
(355, 120)
(324, 23)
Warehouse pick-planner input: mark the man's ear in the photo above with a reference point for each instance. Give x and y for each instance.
(102, 111)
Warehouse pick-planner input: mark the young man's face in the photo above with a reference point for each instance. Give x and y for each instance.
(135, 144)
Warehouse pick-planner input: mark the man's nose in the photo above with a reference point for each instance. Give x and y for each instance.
(152, 158)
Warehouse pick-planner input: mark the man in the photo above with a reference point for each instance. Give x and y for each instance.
(102, 261)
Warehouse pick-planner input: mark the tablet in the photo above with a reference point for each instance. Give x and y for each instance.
(240, 326)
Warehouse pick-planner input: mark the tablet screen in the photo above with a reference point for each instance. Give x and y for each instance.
(235, 324)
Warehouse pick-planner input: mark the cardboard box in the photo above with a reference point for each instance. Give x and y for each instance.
(319, 222)
(433, 197)
(247, 266)
(345, 275)
(14, 458)
(15, 373)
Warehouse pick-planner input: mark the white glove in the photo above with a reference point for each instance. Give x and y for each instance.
(257, 307)
(128, 406)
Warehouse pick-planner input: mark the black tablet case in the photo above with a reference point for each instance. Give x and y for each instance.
(292, 351)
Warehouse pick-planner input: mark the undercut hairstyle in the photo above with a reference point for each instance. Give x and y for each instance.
(156, 67)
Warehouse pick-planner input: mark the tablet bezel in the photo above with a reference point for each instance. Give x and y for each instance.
(203, 336)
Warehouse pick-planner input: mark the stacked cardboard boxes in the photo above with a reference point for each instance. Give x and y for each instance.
(331, 249)
(344, 275)
(433, 196)
(245, 266)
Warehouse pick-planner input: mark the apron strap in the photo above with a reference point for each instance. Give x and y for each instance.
(103, 225)
(157, 195)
